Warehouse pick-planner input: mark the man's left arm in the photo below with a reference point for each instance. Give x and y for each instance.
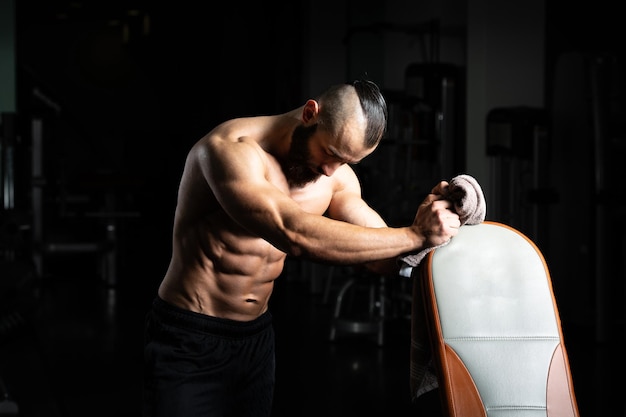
(348, 205)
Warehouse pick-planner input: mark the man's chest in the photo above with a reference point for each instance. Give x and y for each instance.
(313, 198)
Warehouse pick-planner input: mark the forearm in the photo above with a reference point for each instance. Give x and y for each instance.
(323, 239)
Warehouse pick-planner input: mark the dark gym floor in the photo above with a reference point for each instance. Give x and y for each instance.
(75, 349)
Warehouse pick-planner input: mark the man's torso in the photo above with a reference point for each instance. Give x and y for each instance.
(219, 268)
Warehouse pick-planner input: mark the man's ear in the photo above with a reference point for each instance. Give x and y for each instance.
(310, 111)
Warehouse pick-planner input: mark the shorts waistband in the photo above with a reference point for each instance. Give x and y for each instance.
(176, 316)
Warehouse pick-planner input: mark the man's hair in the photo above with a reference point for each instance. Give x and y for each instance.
(334, 109)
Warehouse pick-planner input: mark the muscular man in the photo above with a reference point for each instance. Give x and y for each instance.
(253, 191)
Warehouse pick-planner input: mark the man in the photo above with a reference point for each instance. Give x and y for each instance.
(253, 191)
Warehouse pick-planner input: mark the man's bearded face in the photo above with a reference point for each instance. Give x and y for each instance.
(297, 164)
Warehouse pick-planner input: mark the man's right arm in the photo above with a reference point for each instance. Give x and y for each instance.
(237, 175)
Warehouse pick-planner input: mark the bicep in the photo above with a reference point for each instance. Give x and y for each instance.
(348, 205)
(238, 177)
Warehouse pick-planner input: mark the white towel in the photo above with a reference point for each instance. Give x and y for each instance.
(469, 203)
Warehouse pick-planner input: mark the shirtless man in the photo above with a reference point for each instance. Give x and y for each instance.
(255, 190)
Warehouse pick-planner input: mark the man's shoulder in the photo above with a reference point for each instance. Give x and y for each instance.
(224, 153)
(249, 130)
(345, 178)
(224, 140)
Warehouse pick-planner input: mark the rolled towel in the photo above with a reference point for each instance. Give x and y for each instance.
(469, 203)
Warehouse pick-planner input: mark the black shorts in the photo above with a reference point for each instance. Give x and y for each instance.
(198, 365)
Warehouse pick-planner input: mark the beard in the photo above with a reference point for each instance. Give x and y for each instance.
(296, 165)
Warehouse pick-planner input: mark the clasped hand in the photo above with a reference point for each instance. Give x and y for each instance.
(436, 220)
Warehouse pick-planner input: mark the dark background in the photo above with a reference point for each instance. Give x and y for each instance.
(119, 116)
(130, 111)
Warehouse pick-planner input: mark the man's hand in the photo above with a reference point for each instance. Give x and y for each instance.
(435, 219)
